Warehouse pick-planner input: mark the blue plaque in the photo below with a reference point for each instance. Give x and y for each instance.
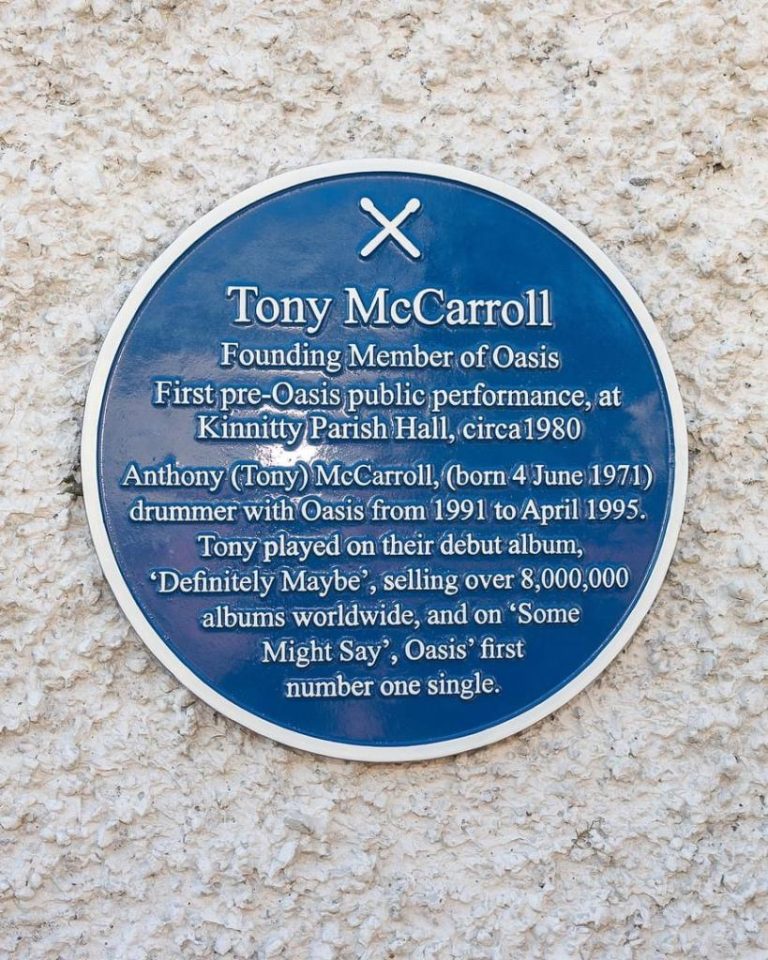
(384, 460)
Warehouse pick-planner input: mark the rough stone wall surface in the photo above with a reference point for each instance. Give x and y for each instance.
(137, 824)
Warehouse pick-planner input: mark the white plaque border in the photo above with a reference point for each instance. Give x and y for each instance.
(333, 748)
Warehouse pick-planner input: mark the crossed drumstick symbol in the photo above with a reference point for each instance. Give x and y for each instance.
(390, 228)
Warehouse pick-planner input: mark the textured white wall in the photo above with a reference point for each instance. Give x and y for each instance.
(137, 824)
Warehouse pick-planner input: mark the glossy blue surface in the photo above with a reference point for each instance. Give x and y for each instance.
(306, 240)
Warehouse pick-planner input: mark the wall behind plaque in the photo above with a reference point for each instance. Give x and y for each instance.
(138, 824)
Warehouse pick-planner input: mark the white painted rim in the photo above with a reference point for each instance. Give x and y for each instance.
(141, 625)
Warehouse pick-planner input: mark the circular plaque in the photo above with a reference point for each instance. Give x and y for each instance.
(384, 459)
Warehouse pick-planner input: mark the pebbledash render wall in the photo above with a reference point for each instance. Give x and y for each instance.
(137, 824)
